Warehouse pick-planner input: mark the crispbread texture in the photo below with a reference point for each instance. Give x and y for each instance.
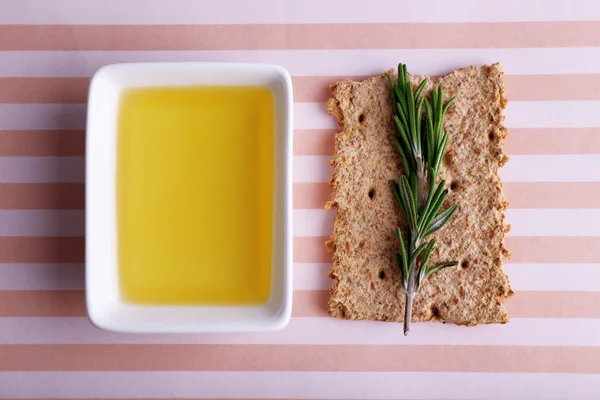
(366, 280)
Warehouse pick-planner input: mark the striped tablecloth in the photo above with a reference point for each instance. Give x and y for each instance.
(550, 51)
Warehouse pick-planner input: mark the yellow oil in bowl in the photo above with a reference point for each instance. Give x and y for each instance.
(195, 195)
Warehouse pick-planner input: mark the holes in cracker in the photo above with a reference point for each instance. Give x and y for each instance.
(371, 193)
(435, 312)
(454, 185)
(492, 136)
(382, 274)
(361, 118)
(464, 264)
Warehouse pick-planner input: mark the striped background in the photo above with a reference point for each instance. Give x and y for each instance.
(550, 51)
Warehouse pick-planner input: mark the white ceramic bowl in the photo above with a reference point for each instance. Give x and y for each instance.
(106, 309)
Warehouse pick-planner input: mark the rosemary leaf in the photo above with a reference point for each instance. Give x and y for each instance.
(396, 191)
(434, 208)
(403, 255)
(402, 153)
(415, 191)
(448, 104)
(402, 112)
(420, 89)
(433, 270)
(410, 102)
(440, 153)
(431, 199)
(408, 199)
(419, 114)
(404, 136)
(416, 253)
(425, 262)
(441, 219)
(403, 270)
(429, 134)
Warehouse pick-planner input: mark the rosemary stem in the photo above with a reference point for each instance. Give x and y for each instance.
(410, 295)
(415, 243)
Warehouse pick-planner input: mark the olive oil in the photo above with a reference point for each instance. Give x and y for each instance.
(195, 195)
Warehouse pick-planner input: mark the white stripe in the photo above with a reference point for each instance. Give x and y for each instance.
(304, 385)
(307, 169)
(290, 11)
(315, 62)
(522, 114)
(313, 116)
(42, 116)
(551, 168)
(524, 222)
(42, 222)
(313, 222)
(520, 168)
(523, 277)
(41, 169)
(560, 222)
(550, 277)
(308, 276)
(555, 114)
(321, 331)
(42, 277)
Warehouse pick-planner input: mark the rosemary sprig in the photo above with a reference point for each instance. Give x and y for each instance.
(421, 141)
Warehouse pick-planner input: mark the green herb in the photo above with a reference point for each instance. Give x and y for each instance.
(421, 141)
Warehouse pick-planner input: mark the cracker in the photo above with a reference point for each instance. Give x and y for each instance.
(366, 280)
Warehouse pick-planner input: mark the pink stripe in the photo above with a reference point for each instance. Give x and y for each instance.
(554, 305)
(552, 87)
(42, 196)
(314, 142)
(302, 36)
(41, 250)
(553, 141)
(518, 87)
(309, 88)
(554, 249)
(313, 303)
(307, 303)
(316, 88)
(42, 143)
(44, 90)
(311, 142)
(299, 358)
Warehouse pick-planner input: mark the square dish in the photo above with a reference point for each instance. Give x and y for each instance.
(107, 308)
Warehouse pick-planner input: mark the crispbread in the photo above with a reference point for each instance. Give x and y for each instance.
(366, 280)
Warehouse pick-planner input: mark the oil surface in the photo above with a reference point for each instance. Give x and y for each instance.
(195, 195)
